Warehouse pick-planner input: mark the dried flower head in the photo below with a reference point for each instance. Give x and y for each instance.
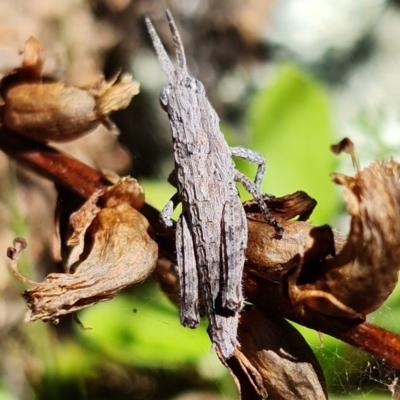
(365, 271)
(114, 251)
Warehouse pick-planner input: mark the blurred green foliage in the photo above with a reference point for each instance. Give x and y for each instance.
(290, 124)
(143, 331)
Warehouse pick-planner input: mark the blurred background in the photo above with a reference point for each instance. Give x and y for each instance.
(288, 78)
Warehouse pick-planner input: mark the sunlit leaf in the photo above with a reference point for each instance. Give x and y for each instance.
(290, 125)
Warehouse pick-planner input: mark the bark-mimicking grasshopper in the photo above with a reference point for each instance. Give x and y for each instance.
(211, 233)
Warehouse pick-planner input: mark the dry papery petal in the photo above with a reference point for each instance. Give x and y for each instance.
(117, 252)
(126, 190)
(287, 366)
(33, 59)
(365, 271)
(80, 221)
(56, 111)
(298, 204)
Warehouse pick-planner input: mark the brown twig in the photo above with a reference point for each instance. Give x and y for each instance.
(83, 180)
(52, 164)
(358, 333)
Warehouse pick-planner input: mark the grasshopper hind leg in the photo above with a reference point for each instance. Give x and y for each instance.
(259, 197)
(254, 157)
(233, 246)
(188, 276)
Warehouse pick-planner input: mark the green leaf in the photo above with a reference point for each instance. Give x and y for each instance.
(157, 192)
(5, 395)
(290, 125)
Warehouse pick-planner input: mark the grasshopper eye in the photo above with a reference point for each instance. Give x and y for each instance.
(164, 95)
(200, 87)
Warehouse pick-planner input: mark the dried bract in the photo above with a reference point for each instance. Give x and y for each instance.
(287, 366)
(297, 205)
(365, 271)
(55, 111)
(117, 253)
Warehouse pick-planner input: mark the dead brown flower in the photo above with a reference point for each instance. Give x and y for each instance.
(115, 251)
(365, 271)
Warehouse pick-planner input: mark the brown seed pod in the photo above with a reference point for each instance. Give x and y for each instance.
(55, 111)
(49, 111)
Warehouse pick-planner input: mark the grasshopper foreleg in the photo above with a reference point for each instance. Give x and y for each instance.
(168, 210)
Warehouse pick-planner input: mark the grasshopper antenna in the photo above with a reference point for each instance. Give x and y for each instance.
(162, 55)
(180, 52)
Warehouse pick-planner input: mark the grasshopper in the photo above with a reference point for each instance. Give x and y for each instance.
(211, 233)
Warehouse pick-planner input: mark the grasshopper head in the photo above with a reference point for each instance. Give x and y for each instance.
(176, 77)
(192, 84)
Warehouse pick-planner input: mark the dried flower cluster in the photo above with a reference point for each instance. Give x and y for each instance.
(110, 246)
